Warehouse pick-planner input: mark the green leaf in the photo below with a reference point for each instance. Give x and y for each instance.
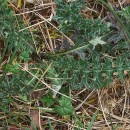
(24, 56)
(97, 41)
(50, 125)
(4, 3)
(61, 110)
(14, 68)
(48, 100)
(92, 121)
(126, 12)
(65, 101)
(65, 107)
(23, 97)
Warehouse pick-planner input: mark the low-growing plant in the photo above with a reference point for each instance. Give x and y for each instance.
(92, 62)
(17, 47)
(100, 55)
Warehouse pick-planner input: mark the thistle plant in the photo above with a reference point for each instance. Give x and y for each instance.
(89, 63)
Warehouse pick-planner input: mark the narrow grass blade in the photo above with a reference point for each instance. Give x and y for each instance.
(92, 121)
(51, 128)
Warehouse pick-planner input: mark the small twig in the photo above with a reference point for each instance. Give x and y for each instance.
(80, 105)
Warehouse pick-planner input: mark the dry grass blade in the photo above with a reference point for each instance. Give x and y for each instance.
(48, 21)
(80, 105)
(103, 111)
